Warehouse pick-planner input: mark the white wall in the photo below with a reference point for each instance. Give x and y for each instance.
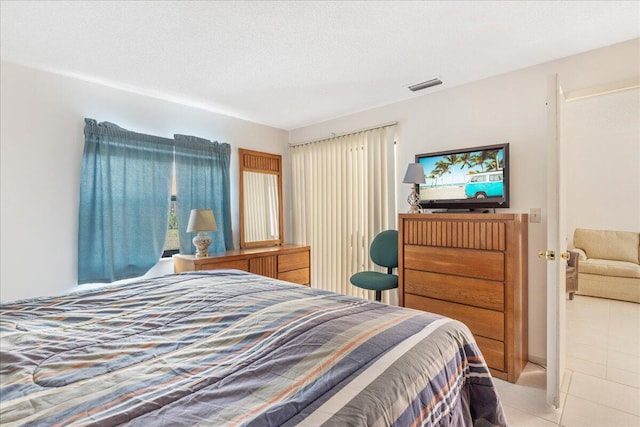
(507, 108)
(602, 135)
(41, 143)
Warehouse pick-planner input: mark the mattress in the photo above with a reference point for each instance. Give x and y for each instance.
(230, 348)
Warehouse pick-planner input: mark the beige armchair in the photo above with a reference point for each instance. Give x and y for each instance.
(609, 263)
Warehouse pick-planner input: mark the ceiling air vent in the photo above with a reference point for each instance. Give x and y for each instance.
(424, 85)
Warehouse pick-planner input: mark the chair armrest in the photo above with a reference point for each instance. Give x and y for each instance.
(582, 255)
(573, 261)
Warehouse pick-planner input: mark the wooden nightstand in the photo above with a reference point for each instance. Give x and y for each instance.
(287, 262)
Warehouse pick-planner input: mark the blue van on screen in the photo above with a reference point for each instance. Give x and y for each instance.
(484, 184)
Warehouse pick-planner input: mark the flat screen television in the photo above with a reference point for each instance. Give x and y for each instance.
(475, 178)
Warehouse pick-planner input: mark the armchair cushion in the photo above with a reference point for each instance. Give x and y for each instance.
(604, 267)
(607, 244)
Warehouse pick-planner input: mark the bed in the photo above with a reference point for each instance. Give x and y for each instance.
(232, 348)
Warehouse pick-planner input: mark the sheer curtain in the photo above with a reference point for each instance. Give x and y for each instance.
(125, 191)
(343, 195)
(202, 180)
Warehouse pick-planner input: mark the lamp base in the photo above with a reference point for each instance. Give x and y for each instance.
(202, 242)
(414, 202)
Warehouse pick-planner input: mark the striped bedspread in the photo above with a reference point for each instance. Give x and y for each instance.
(230, 348)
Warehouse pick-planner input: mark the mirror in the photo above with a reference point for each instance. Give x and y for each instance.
(260, 199)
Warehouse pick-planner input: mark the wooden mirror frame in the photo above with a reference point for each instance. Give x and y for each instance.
(259, 162)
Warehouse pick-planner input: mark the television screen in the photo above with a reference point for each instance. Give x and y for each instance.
(469, 178)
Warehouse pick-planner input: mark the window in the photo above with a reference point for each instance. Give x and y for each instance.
(129, 208)
(124, 187)
(355, 172)
(172, 245)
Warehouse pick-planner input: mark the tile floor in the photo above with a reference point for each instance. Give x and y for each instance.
(601, 387)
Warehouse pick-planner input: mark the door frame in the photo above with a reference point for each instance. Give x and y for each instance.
(556, 242)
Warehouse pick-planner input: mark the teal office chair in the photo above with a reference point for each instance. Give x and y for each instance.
(383, 252)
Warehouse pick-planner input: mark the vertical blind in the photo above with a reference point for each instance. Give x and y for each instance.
(343, 195)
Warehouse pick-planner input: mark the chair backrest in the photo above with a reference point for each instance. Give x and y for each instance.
(384, 249)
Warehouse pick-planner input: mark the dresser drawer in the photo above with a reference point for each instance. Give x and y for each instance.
(269, 262)
(493, 352)
(264, 266)
(293, 261)
(460, 262)
(242, 264)
(464, 290)
(483, 322)
(301, 276)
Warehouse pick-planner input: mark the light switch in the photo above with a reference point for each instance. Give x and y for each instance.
(535, 215)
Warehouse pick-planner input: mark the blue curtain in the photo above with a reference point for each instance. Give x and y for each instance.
(125, 191)
(202, 180)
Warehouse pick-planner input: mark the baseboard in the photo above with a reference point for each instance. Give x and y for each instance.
(540, 361)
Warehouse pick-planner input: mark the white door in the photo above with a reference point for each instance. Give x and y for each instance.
(556, 248)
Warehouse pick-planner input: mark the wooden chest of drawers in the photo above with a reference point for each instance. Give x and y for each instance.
(473, 268)
(287, 262)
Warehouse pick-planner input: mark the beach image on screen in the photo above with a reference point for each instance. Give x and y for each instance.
(467, 175)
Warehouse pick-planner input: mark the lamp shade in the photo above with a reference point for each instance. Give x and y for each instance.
(201, 220)
(414, 175)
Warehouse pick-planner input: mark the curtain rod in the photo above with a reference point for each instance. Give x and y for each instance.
(333, 135)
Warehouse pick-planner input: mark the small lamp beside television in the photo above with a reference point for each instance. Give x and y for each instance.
(415, 176)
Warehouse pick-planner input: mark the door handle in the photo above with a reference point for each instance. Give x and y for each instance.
(547, 254)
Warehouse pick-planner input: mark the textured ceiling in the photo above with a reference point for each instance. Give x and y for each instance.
(288, 64)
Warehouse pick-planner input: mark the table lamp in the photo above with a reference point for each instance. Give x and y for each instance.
(201, 220)
(414, 175)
